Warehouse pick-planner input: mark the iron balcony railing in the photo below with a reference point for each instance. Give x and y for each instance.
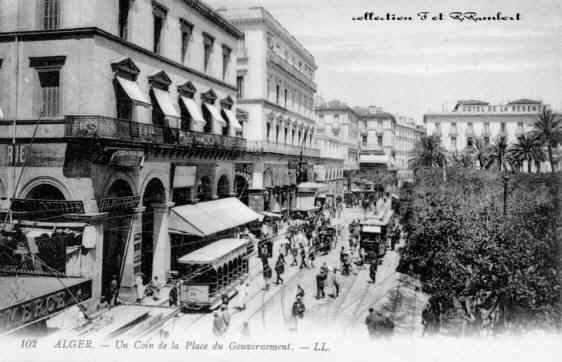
(125, 130)
(281, 148)
(279, 60)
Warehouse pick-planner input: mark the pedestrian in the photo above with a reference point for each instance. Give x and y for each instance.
(342, 256)
(300, 291)
(361, 260)
(373, 270)
(139, 284)
(242, 296)
(281, 253)
(279, 269)
(311, 255)
(173, 296)
(303, 257)
(378, 325)
(267, 273)
(334, 281)
(113, 291)
(225, 316)
(298, 312)
(320, 283)
(219, 327)
(294, 252)
(245, 330)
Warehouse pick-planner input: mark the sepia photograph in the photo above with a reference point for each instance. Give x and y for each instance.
(280, 180)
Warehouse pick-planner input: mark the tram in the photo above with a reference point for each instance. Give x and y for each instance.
(209, 274)
(374, 235)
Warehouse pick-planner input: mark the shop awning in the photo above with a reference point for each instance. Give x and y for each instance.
(372, 229)
(193, 109)
(133, 91)
(206, 218)
(165, 103)
(378, 159)
(215, 114)
(28, 299)
(271, 214)
(312, 186)
(216, 253)
(232, 119)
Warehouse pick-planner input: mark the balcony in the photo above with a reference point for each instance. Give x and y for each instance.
(280, 61)
(102, 127)
(281, 148)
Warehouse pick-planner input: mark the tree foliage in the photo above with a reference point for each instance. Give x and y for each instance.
(484, 270)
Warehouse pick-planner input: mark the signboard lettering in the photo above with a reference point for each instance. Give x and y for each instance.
(23, 313)
(127, 158)
(118, 203)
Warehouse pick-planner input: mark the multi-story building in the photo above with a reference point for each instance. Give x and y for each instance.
(474, 118)
(275, 77)
(406, 135)
(337, 133)
(130, 107)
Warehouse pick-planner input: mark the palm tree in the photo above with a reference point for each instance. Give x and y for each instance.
(497, 153)
(462, 159)
(428, 152)
(527, 148)
(548, 131)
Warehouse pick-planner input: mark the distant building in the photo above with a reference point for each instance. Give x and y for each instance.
(337, 136)
(275, 77)
(386, 140)
(474, 118)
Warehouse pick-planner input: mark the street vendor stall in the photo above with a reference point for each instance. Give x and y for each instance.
(211, 272)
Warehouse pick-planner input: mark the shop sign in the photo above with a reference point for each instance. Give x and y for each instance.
(38, 155)
(127, 158)
(24, 313)
(118, 203)
(184, 176)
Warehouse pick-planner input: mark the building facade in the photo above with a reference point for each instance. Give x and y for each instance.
(275, 77)
(338, 130)
(386, 139)
(470, 119)
(131, 108)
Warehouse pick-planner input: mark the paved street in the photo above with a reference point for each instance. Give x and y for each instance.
(269, 313)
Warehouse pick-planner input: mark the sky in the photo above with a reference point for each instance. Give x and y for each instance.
(411, 67)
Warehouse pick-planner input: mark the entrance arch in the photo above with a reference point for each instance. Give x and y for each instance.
(204, 189)
(223, 187)
(115, 233)
(241, 187)
(45, 192)
(153, 193)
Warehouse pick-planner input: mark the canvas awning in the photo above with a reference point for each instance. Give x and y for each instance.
(193, 109)
(217, 253)
(313, 186)
(206, 218)
(271, 214)
(232, 119)
(165, 103)
(371, 229)
(133, 91)
(215, 114)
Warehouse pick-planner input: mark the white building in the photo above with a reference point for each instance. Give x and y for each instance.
(275, 77)
(473, 118)
(338, 138)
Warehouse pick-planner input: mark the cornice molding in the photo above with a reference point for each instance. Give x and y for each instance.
(72, 33)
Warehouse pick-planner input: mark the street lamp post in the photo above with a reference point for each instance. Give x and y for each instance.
(505, 179)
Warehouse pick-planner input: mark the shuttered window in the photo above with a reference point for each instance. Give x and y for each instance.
(49, 95)
(50, 10)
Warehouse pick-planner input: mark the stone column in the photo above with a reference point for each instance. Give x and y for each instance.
(161, 261)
